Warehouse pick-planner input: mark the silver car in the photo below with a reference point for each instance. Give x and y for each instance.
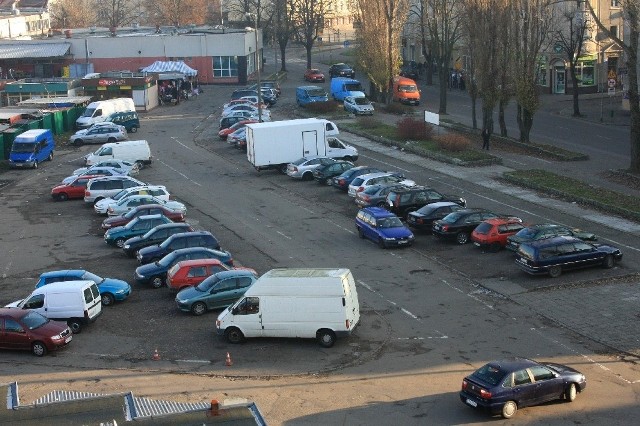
(98, 171)
(358, 105)
(99, 133)
(304, 167)
(129, 203)
(127, 167)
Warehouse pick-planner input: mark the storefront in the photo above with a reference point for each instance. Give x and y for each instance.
(142, 88)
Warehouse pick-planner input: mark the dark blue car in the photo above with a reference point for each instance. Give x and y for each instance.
(554, 255)
(156, 273)
(175, 242)
(111, 289)
(383, 227)
(504, 386)
(344, 180)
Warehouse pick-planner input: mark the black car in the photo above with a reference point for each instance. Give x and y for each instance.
(554, 255)
(410, 70)
(344, 180)
(504, 386)
(403, 201)
(460, 224)
(178, 241)
(545, 230)
(376, 195)
(325, 173)
(239, 93)
(341, 70)
(156, 273)
(230, 121)
(423, 218)
(154, 236)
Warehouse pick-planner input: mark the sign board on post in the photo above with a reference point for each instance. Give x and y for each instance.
(432, 117)
(611, 82)
(612, 91)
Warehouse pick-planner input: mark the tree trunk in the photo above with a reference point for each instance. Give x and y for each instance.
(428, 69)
(574, 79)
(283, 50)
(474, 99)
(634, 99)
(525, 123)
(308, 48)
(443, 75)
(503, 125)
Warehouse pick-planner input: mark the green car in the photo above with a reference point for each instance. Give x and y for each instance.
(138, 226)
(216, 292)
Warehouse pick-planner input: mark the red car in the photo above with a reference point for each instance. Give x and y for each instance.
(189, 273)
(239, 125)
(314, 75)
(493, 233)
(28, 330)
(144, 210)
(74, 189)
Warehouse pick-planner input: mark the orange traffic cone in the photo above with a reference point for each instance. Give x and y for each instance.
(156, 355)
(228, 361)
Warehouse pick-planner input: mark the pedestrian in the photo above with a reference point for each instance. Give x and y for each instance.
(486, 135)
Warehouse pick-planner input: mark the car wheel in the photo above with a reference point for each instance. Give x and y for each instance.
(111, 140)
(50, 157)
(381, 243)
(233, 335)
(406, 213)
(509, 409)
(140, 165)
(328, 181)
(119, 242)
(134, 129)
(494, 247)
(107, 299)
(157, 281)
(348, 158)
(63, 197)
(571, 393)
(608, 261)
(326, 338)
(555, 271)
(198, 308)
(307, 176)
(78, 142)
(462, 238)
(38, 349)
(75, 325)
(283, 169)
(360, 233)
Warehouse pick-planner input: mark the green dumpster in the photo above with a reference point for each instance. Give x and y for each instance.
(69, 119)
(47, 121)
(2, 156)
(9, 135)
(58, 122)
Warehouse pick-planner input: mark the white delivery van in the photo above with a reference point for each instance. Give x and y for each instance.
(319, 304)
(98, 111)
(76, 302)
(132, 151)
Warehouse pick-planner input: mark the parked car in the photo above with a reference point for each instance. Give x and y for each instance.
(245, 107)
(216, 292)
(128, 168)
(138, 226)
(95, 172)
(154, 236)
(358, 105)
(546, 230)
(460, 224)
(158, 191)
(238, 138)
(247, 100)
(376, 195)
(111, 289)
(325, 173)
(72, 190)
(244, 115)
(108, 186)
(403, 201)
(99, 133)
(423, 218)
(189, 273)
(178, 241)
(134, 201)
(314, 75)
(341, 70)
(224, 133)
(383, 227)
(504, 386)
(24, 329)
(361, 183)
(492, 234)
(155, 273)
(145, 209)
(271, 84)
(343, 181)
(241, 93)
(226, 122)
(303, 167)
(556, 254)
(410, 70)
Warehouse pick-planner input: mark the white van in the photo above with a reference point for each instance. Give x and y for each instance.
(98, 111)
(303, 303)
(132, 151)
(76, 302)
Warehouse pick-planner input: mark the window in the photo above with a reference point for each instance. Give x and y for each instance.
(541, 373)
(226, 285)
(12, 326)
(244, 282)
(521, 378)
(225, 66)
(615, 3)
(614, 30)
(586, 74)
(250, 305)
(197, 271)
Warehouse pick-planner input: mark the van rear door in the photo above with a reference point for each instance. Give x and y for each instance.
(92, 302)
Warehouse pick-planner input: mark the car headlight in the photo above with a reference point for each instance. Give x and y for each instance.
(120, 292)
(56, 337)
(389, 238)
(127, 246)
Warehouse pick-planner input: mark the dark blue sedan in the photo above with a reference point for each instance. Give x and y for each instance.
(504, 386)
(383, 227)
(111, 289)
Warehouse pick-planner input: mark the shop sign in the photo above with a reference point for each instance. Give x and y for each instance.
(107, 82)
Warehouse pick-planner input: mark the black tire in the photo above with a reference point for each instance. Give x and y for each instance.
(198, 308)
(63, 197)
(50, 157)
(571, 392)
(157, 281)
(348, 158)
(98, 199)
(134, 129)
(326, 338)
(382, 204)
(608, 262)
(107, 299)
(462, 238)
(233, 335)
(120, 242)
(75, 325)
(509, 409)
(307, 176)
(555, 271)
(111, 140)
(140, 164)
(495, 247)
(38, 349)
(283, 169)
(360, 233)
(381, 243)
(78, 142)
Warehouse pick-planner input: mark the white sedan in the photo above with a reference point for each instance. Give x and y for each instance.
(127, 167)
(98, 171)
(130, 203)
(157, 191)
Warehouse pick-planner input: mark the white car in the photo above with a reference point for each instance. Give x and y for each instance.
(99, 133)
(157, 191)
(250, 115)
(359, 105)
(245, 107)
(98, 171)
(303, 168)
(247, 100)
(362, 182)
(108, 186)
(127, 167)
(129, 203)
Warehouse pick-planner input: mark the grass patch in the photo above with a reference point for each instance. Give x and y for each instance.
(376, 128)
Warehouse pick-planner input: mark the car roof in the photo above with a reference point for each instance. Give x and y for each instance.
(501, 220)
(149, 216)
(62, 272)
(15, 313)
(439, 204)
(198, 262)
(368, 176)
(172, 224)
(513, 364)
(191, 233)
(379, 212)
(553, 241)
(234, 273)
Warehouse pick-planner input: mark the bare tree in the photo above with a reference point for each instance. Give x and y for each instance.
(72, 14)
(176, 12)
(417, 9)
(117, 13)
(308, 18)
(283, 27)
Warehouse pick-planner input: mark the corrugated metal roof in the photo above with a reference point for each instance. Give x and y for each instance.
(20, 50)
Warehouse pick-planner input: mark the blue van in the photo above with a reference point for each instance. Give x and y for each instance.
(342, 87)
(32, 147)
(310, 94)
(129, 120)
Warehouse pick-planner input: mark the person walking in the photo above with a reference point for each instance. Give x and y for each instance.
(486, 135)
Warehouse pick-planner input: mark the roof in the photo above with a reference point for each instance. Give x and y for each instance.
(37, 4)
(33, 50)
(170, 66)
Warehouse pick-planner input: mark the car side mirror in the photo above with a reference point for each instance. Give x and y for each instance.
(235, 311)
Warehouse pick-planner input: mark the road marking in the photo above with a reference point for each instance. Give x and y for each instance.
(188, 147)
(286, 236)
(410, 314)
(178, 172)
(394, 166)
(468, 295)
(194, 361)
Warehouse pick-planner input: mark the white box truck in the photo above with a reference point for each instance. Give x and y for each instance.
(319, 304)
(275, 144)
(98, 111)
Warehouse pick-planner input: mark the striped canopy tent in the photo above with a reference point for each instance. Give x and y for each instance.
(171, 66)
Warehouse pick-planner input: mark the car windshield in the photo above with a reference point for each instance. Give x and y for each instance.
(483, 228)
(34, 320)
(427, 210)
(357, 181)
(88, 112)
(132, 223)
(353, 87)
(316, 92)
(452, 217)
(300, 161)
(389, 222)
(527, 233)
(168, 260)
(372, 189)
(314, 71)
(92, 277)
(207, 284)
(119, 195)
(408, 88)
(361, 101)
(23, 147)
(490, 374)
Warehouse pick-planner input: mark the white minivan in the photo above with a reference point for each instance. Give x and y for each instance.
(133, 151)
(158, 191)
(108, 186)
(320, 304)
(76, 302)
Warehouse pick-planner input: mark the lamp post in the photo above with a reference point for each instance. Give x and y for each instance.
(259, 89)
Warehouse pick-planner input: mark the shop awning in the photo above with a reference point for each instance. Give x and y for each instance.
(21, 50)
(170, 66)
